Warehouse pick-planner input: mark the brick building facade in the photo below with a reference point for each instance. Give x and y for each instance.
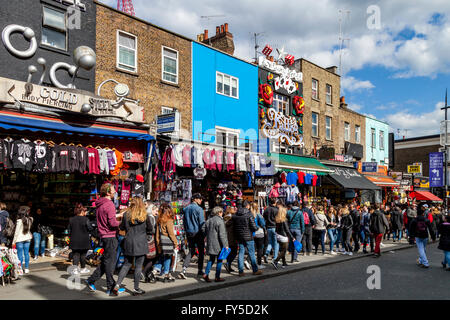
(321, 106)
(147, 77)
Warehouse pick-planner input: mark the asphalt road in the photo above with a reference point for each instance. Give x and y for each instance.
(400, 278)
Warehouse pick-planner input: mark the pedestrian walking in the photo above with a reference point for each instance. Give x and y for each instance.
(365, 229)
(438, 218)
(320, 229)
(23, 236)
(444, 241)
(419, 229)
(284, 236)
(232, 242)
(136, 224)
(216, 240)
(4, 215)
(166, 242)
(347, 227)
(244, 225)
(258, 235)
(332, 228)
(397, 224)
(356, 228)
(308, 217)
(269, 216)
(378, 226)
(193, 220)
(150, 259)
(296, 223)
(411, 214)
(80, 241)
(38, 235)
(339, 240)
(107, 225)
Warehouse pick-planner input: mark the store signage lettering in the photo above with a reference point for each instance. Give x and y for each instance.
(346, 173)
(286, 78)
(285, 128)
(414, 169)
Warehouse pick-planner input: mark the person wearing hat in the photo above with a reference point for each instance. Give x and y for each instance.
(193, 220)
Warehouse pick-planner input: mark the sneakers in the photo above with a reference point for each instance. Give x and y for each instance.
(424, 266)
(137, 292)
(206, 278)
(350, 253)
(114, 291)
(27, 271)
(75, 271)
(342, 250)
(168, 278)
(84, 271)
(275, 265)
(121, 290)
(333, 253)
(35, 258)
(260, 266)
(182, 275)
(247, 265)
(382, 245)
(91, 286)
(257, 273)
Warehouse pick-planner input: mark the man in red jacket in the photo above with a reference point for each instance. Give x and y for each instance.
(107, 229)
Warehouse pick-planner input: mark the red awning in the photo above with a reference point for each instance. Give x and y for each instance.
(424, 196)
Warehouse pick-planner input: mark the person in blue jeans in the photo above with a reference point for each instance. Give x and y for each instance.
(269, 216)
(339, 231)
(297, 228)
(38, 236)
(418, 230)
(331, 230)
(244, 225)
(444, 241)
(23, 236)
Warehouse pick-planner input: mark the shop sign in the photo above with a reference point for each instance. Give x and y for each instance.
(343, 158)
(436, 169)
(279, 126)
(369, 167)
(397, 176)
(168, 122)
(71, 100)
(346, 173)
(286, 78)
(422, 182)
(415, 169)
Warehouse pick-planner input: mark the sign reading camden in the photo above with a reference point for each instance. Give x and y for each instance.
(285, 128)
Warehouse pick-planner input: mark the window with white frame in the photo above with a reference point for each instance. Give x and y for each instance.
(278, 147)
(357, 134)
(347, 131)
(315, 125)
(281, 103)
(328, 127)
(54, 28)
(381, 140)
(227, 85)
(373, 137)
(169, 65)
(126, 51)
(166, 110)
(328, 94)
(227, 137)
(315, 89)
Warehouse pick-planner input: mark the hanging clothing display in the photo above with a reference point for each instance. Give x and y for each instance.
(186, 154)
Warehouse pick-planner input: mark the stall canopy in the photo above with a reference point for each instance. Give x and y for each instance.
(290, 162)
(349, 178)
(424, 196)
(382, 181)
(35, 123)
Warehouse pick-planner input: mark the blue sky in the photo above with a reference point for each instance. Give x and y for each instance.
(395, 61)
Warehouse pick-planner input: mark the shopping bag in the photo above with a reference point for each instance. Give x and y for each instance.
(298, 246)
(224, 253)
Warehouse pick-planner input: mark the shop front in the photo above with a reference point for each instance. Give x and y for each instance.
(380, 177)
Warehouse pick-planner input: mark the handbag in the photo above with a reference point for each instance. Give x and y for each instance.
(151, 249)
(166, 243)
(298, 246)
(282, 239)
(224, 254)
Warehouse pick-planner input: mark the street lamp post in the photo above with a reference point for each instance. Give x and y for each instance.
(446, 150)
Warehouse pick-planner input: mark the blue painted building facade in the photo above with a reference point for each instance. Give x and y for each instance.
(377, 141)
(224, 98)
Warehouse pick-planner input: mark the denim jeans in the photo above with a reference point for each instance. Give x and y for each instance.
(119, 249)
(421, 246)
(397, 235)
(339, 238)
(447, 258)
(297, 233)
(212, 259)
(273, 243)
(332, 233)
(321, 235)
(39, 243)
(165, 260)
(250, 245)
(23, 251)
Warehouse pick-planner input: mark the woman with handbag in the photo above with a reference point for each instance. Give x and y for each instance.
(137, 225)
(258, 235)
(151, 257)
(23, 236)
(38, 230)
(284, 236)
(166, 241)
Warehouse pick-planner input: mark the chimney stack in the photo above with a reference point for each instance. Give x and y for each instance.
(226, 27)
(343, 104)
(222, 29)
(217, 31)
(223, 40)
(206, 35)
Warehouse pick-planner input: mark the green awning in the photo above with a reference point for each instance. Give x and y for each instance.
(286, 162)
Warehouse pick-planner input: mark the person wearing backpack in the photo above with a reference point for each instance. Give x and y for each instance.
(4, 216)
(419, 229)
(308, 218)
(23, 236)
(444, 241)
(296, 226)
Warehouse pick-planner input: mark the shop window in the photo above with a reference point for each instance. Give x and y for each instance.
(328, 94)
(54, 28)
(357, 134)
(170, 65)
(347, 131)
(328, 128)
(315, 89)
(315, 125)
(227, 85)
(281, 104)
(126, 51)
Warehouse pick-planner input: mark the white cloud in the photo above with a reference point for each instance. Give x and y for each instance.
(417, 124)
(355, 107)
(351, 84)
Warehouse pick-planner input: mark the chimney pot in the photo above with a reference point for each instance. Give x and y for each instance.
(226, 27)
(221, 29)
(343, 100)
(217, 31)
(206, 35)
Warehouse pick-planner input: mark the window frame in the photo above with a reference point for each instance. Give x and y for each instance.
(381, 138)
(315, 124)
(357, 134)
(66, 33)
(317, 89)
(288, 105)
(329, 95)
(347, 126)
(118, 63)
(231, 86)
(228, 132)
(328, 128)
(373, 136)
(162, 64)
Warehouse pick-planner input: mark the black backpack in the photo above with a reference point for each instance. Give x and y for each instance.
(421, 226)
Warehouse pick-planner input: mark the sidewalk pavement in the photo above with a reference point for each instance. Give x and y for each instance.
(50, 280)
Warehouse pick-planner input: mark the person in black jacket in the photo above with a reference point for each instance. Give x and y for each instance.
(378, 226)
(80, 242)
(444, 241)
(418, 229)
(347, 226)
(244, 225)
(4, 215)
(269, 216)
(397, 224)
(137, 225)
(307, 236)
(356, 228)
(284, 236)
(38, 236)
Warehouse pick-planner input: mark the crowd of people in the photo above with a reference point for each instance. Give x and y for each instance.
(144, 232)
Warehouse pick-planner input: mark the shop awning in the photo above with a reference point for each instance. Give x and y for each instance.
(35, 123)
(424, 196)
(349, 178)
(291, 162)
(382, 181)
